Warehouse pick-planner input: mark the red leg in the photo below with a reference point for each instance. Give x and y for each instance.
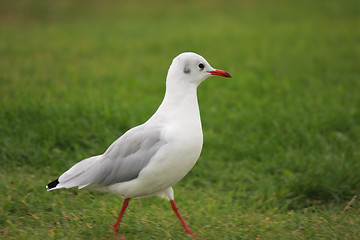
(123, 208)
(186, 227)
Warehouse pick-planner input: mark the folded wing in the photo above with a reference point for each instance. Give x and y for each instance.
(122, 161)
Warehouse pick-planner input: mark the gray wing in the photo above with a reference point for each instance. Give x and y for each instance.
(121, 162)
(127, 156)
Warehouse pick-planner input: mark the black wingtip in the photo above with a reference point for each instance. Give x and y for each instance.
(52, 184)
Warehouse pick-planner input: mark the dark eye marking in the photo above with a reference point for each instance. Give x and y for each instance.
(201, 66)
(187, 70)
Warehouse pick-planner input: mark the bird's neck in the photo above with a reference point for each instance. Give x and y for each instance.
(180, 102)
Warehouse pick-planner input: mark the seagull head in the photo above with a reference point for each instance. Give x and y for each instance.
(193, 68)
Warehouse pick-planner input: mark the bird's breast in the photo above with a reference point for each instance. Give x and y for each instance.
(176, 158)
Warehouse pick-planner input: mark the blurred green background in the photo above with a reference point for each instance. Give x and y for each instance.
(281, 155)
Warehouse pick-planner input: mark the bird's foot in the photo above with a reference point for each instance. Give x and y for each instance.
(117, 234)
(188, 231)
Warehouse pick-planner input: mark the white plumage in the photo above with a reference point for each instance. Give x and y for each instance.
(149, 159)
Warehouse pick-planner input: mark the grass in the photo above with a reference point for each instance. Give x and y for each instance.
(281, 156)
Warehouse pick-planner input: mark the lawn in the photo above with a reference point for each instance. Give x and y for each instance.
(281, 155)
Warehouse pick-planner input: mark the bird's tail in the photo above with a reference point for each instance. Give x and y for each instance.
(52, 185)
(80, 175)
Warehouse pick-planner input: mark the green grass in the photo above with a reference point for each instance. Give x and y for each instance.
(281, 156)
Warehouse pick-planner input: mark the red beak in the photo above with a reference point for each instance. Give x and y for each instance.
(221, 73)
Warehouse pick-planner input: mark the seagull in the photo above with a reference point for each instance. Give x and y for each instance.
(150, 158)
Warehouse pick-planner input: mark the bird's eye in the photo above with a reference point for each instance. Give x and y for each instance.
(201, 66)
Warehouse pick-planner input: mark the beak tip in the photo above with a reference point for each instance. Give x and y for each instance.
(221, 73)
